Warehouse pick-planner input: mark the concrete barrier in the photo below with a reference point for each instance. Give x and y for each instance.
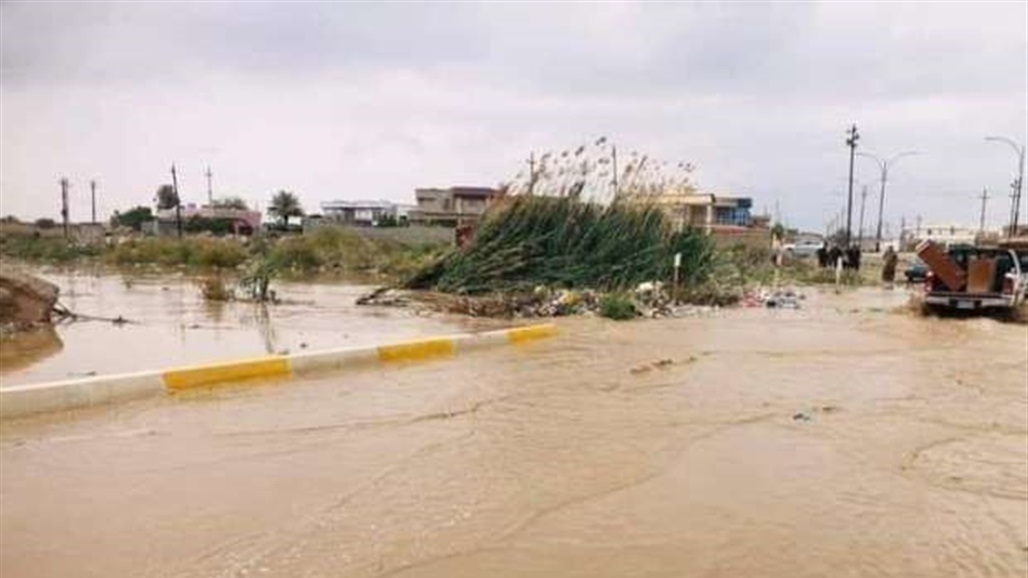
(63, 395)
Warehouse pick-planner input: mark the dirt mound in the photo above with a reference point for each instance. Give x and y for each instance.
(25, 301)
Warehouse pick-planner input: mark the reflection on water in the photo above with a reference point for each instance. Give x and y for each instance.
(170, 324)
(23, 349)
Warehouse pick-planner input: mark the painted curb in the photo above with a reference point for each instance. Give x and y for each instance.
(71, 394)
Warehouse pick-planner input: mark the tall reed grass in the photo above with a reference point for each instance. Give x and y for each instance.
(527, 241)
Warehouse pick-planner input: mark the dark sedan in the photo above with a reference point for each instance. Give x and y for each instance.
(916, 271)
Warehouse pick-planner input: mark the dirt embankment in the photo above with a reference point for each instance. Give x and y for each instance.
(25, 301)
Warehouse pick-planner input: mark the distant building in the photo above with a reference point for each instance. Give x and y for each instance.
(362, 213)
(947, 234)
(452, 206)
(708, 211)
(241, 222)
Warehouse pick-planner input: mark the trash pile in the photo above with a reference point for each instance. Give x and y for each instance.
(649, 300)
(773, 298)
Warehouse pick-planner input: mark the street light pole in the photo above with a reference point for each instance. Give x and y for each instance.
(1015, 210)
(883, 167)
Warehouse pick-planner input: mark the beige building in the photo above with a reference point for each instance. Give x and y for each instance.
(452, 206)
(706, 211)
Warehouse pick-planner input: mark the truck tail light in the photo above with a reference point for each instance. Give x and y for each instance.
(929, 280)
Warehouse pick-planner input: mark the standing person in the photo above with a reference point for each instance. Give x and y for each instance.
(834, 254)
(822, 255)
(889, 259)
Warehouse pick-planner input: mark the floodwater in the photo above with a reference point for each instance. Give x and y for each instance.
(169, 324)
(842, 439)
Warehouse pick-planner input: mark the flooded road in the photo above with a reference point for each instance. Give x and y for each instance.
(841, 439)
(170, 325)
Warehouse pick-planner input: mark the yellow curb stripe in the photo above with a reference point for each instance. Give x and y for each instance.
(522, 334)
(420, 349)
(186, 377)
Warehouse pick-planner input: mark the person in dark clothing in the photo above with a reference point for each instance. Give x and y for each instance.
(853, 258)
(889, 260)
(834, 254)
(822, 256)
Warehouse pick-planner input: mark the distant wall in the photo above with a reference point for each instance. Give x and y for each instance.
(754, 238)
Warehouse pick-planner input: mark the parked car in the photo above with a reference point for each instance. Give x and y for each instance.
(807, 248)
(916, 271)
(1002, 286)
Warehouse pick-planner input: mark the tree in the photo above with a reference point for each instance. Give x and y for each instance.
(45, 223)
(230, 203)
(133, 218)
(284, 205)
(166, 197)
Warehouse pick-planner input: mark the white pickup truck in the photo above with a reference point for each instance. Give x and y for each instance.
(1006, 289)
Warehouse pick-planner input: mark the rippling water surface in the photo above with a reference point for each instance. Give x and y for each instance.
(847, 438)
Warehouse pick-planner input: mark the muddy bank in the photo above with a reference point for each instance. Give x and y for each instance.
(26, 301)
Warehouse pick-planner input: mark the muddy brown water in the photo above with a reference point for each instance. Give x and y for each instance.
(842, 439)
(170, 325)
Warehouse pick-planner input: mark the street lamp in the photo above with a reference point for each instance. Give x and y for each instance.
(883, 166)
(1015, 210)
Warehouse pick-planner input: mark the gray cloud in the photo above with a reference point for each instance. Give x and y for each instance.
(370, 100)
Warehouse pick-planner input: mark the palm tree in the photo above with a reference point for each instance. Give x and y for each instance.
(284, 205)
(166, 197)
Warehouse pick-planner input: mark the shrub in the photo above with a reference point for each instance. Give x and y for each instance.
(214, 289)
(257, 280)
(46, 249)
(617, 306)
(296, 253)
(218, 253)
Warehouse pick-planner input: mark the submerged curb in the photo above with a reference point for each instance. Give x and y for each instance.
(62, 395)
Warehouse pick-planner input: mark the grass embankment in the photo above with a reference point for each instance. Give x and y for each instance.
(561, 242)
(325, 252)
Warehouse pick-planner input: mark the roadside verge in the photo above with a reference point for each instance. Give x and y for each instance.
(78, 393)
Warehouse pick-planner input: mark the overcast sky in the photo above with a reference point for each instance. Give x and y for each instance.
(357, 101)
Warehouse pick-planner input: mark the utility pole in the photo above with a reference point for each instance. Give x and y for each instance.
(178, 201)
(981, 219)
(1015, 196)
(614, 164)
(903, 231)
(851, 141)
(210, 191)
(64, 205)
(92, 196)
(860, 234)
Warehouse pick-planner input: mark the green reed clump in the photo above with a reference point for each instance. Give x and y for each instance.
(560, 241)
